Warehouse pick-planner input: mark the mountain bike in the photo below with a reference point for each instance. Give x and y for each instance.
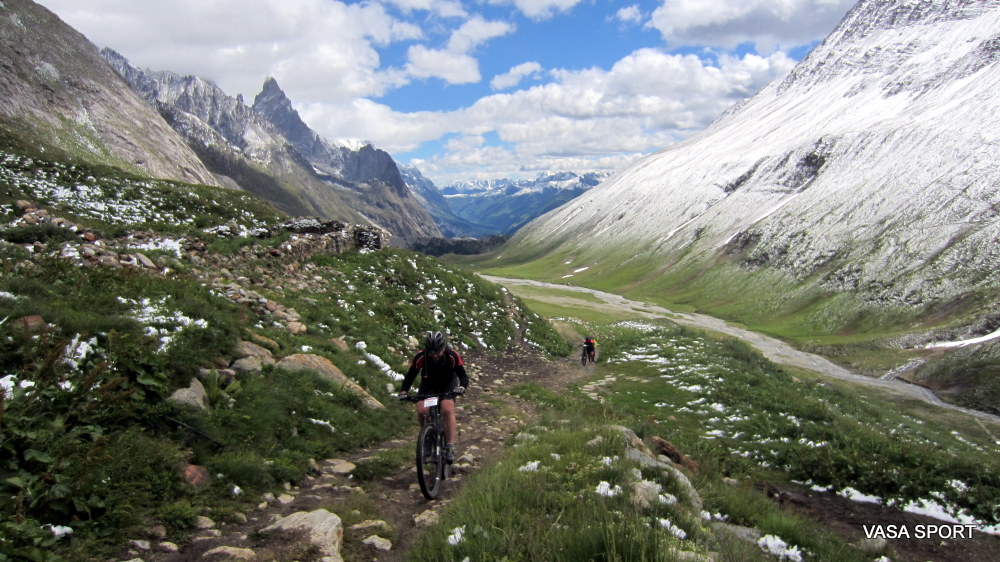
(585, 357)
(432, 470)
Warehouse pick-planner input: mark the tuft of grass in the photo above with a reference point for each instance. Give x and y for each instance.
(382, 464)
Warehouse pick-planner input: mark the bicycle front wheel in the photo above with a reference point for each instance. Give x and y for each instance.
(430, 461)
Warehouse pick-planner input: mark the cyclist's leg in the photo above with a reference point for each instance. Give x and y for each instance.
(450, 423)
(421, 413)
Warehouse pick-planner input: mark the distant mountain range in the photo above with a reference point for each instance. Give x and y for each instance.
(505, 205)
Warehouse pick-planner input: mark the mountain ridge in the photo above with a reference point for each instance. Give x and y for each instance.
(314, 175)
(59, 94)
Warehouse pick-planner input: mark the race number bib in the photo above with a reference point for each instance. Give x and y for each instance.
(431, 402)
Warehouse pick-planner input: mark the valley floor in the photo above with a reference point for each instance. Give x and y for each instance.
(774, 349)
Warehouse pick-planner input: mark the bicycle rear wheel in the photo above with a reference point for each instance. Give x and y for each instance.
(430, 462)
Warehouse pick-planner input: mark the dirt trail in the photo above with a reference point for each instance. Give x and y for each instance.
(774, 349)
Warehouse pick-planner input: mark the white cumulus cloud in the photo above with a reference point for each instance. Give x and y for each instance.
(539, 9)
(767, 23)
(630, 14)
(515, 75)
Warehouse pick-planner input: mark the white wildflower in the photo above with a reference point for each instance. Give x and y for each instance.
(774, 545)
(530, 467)
(673, 529)
(605, 489)
(456, 536)
(61, 531)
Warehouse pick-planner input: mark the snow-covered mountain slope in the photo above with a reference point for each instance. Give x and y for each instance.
(872, 167)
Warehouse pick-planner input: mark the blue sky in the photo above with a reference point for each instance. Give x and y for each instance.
(484, 88)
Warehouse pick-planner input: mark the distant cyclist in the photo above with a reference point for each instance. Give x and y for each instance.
(590, 347)
(441, 370)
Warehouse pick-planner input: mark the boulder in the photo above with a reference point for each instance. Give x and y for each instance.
(193, 395)
(250, 349)
(324, 529)
(326, 369)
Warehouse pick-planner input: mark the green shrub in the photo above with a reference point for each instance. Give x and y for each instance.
(178, 515)
(46, 232)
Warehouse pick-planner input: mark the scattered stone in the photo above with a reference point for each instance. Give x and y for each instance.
(202, 523)
(139, 544)
(324, 529)
(379, 543)
(247, 365)
(31, 324)
(370, 524)
(339, 466)
(645, 493)
(748, 534)
(196, 475)
(428, 518)
(144, 261)
(193, 395)
(250, 349)
(166, 546)
(231, 553)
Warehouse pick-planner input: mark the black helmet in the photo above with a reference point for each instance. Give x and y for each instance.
(434, 341)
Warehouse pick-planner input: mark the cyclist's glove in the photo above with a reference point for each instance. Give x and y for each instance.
(460, 390)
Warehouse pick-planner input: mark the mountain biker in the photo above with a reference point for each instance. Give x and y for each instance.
(441, 370)
(590, 344)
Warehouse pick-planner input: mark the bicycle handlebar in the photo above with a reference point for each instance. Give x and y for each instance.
(451, 394)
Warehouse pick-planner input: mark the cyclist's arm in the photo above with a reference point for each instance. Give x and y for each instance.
(459, 370)
(463, 377)
(410, 375)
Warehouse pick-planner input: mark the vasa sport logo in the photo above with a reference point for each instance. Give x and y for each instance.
(930, 531)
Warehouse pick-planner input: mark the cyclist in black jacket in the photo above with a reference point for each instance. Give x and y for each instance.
(441, 370)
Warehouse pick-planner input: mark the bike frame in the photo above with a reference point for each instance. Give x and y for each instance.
(432, 470)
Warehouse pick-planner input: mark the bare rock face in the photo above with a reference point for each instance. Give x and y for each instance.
(58, 91)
